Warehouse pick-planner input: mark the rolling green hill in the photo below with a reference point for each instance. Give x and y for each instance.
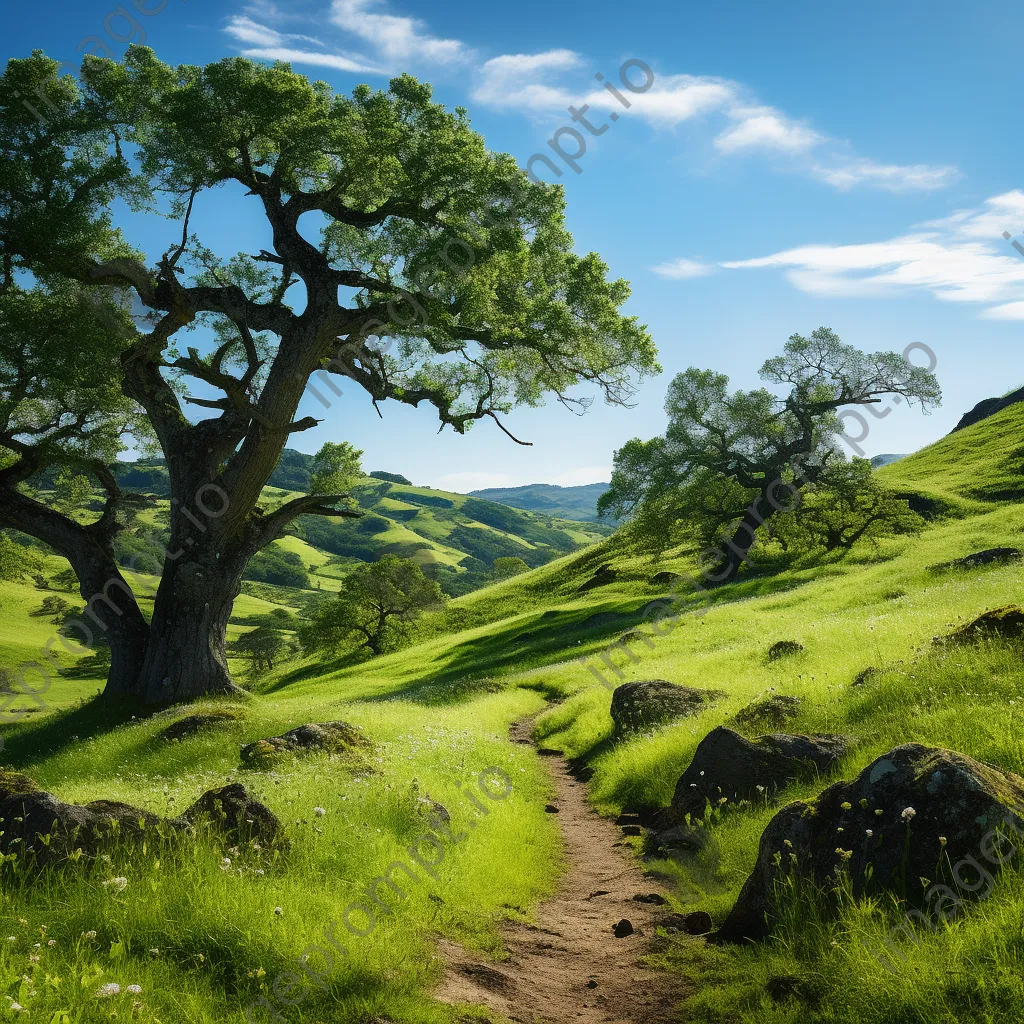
(206, 940)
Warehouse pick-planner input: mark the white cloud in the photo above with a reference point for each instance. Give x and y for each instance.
(549, 82)
(963, 259)
(397, 39)
(672, 99)
(266, 43)
(503, 82)
(895, 177)
(683, 269)
(766, 128)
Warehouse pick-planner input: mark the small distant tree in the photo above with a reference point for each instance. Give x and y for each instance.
(262, 646)
(743, 457)
(847, 506)
(508, 566)
(65, 580)
(53, 608)
(336, 467)
(373, 608)
(71, 491)
(11, 563)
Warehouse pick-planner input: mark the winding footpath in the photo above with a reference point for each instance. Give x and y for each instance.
(568, 967)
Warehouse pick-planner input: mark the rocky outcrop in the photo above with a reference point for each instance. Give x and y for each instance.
(999, 624)
(42, 829)
(989, 407)
(990, 556)
(665, 579)
(637, 707)
(242, 820)
(322, 737)
(728, 767)
(769, 712)
(927, 825)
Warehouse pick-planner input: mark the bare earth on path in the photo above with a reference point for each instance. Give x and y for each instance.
(569, 967)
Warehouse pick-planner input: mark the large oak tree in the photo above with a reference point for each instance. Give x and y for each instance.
(401, 254)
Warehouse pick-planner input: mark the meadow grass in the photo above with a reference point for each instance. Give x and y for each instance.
(202, 938)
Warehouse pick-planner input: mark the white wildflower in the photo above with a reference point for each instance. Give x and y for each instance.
(278, 911)
(319, 811)
(118, 884)
(908, 813)
(110, 989)
(135, 990)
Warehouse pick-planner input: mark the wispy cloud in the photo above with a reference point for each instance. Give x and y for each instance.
(962, 258)
(766, 128)
(683, 269)
(396, 39)
(549, 82)
(265, 43)
(520, 81)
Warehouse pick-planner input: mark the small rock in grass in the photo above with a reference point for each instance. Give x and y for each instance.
(550, 809)
(191, 725)
(727, 767)
(622, 929)
(784, 649)
(769, 712)
(326, 737)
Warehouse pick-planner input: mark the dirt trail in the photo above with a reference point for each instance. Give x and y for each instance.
(569, 968)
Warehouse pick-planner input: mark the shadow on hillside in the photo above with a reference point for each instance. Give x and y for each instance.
(551, 637)
(27, 743)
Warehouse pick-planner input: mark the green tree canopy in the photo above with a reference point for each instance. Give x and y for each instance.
(730, 461)
(375, 603)
(404, 256)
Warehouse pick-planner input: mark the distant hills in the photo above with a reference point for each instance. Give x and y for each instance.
(878, 461)
(454, 537)
(579, 503)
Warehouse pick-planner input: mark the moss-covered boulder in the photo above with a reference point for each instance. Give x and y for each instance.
(322, 737)
(637, 707)
(769, 712)
(242, 820)
(925, 825)
(1005, 623)
(192, 725)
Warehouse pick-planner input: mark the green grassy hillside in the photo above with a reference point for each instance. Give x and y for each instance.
(204, 940)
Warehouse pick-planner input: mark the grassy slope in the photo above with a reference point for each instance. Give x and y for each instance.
(440, 711)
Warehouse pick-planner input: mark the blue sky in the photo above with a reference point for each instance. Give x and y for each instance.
(792, 165)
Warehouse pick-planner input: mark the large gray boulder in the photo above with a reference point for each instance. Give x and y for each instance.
(728, 766)
(637, 707)
(926, 825)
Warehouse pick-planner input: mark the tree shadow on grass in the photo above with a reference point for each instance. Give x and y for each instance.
(26, 743)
